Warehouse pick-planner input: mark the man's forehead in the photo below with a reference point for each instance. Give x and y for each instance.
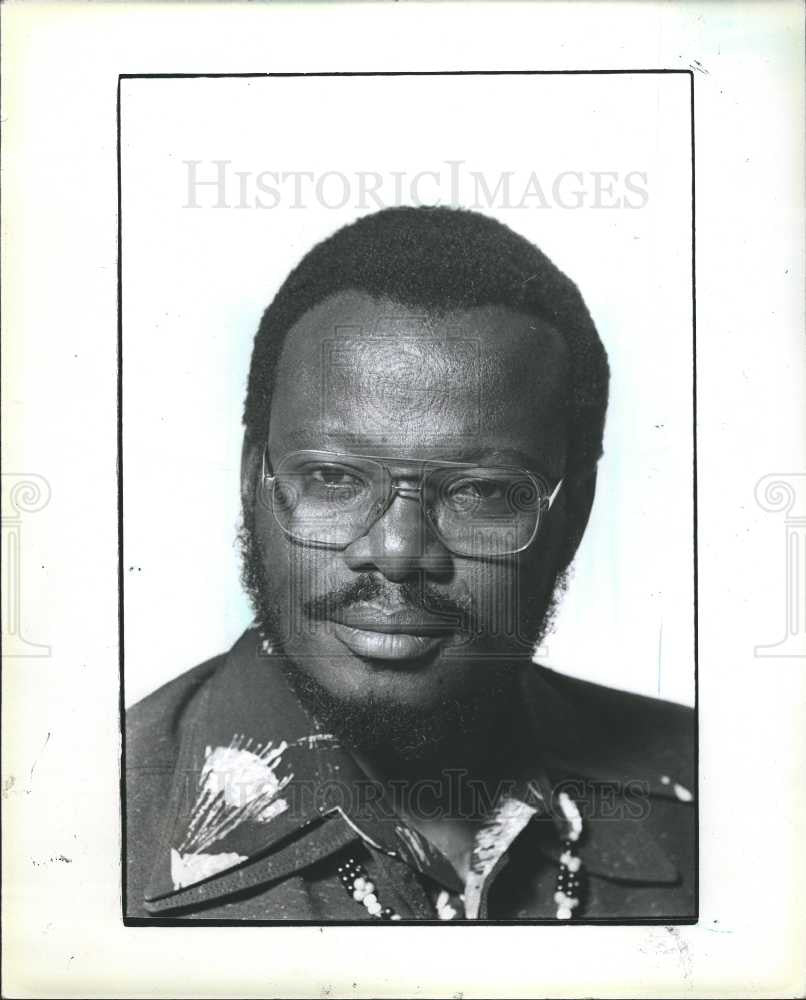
(375, 371)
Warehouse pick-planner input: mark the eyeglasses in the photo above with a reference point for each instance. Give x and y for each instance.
(326, 499)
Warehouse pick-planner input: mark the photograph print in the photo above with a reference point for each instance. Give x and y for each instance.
(407, 494)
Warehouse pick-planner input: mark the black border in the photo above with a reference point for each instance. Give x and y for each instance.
(581, 922)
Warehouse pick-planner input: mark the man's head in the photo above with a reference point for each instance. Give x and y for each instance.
(416, 338)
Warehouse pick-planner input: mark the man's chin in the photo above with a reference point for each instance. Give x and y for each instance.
(407, 718)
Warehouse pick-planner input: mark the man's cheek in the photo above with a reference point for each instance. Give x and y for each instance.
(299, 576)
(492, 591)
(275, 565)
(278, 576)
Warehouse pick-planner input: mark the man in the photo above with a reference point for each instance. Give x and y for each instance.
(423, 420)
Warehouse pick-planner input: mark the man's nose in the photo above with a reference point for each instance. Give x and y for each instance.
(400, 544)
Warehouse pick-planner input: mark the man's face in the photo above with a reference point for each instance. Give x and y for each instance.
(359, 376)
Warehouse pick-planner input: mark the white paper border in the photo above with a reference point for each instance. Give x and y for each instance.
(63, 934)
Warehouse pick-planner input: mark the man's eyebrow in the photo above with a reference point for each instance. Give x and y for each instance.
(298, 437)
(502, 456)
(483, 454)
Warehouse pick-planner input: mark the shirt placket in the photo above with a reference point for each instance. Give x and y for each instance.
(489, 852)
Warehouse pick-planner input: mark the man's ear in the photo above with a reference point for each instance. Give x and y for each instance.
(251, 464)
(578, 502)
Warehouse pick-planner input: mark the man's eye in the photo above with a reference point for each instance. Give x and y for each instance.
(334, 477)
(474, 490)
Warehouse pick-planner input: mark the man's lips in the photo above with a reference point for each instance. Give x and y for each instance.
(381, 634)
(405, 621)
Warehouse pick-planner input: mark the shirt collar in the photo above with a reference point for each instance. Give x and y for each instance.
(260, 791)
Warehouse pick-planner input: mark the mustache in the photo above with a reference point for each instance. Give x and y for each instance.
(409, 595)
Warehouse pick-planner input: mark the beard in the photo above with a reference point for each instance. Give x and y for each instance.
(475, 730)
(472, 731)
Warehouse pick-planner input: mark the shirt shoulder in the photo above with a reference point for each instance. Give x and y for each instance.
(638, 732)
(158, 718)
